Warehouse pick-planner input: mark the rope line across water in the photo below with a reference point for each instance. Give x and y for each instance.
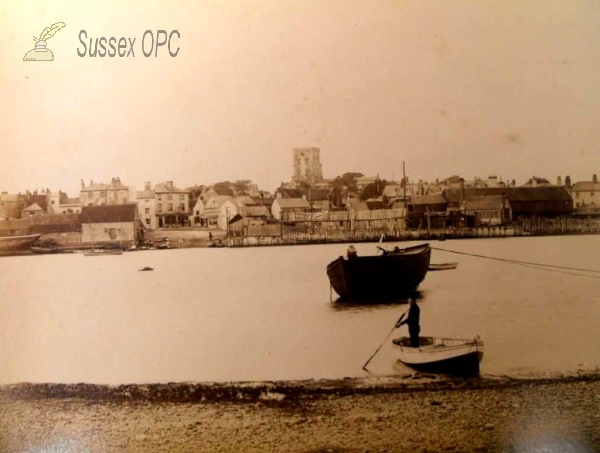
(541, 266)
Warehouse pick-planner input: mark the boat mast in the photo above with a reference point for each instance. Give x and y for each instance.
(404, 187)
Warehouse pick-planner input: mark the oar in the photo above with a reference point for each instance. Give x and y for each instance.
(383, 342)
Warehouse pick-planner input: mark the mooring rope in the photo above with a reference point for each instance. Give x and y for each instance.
(541, 266)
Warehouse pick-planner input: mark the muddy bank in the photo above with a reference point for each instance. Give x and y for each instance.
(397, 414)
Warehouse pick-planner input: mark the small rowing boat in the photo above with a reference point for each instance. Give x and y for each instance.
(102, 252)
(441, 355)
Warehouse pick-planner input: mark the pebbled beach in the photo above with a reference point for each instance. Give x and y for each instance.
(417, 413)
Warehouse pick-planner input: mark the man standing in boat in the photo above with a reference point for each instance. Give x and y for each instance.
(414, 313)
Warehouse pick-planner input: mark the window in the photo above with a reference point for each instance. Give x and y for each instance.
(170, 206)
(592, 194)
(181, 196)
(159, 207)
(197, 212)
(159, 197)
(170, 197)
(576, 194)
(147, 210)
(146, 201)
(182, 207)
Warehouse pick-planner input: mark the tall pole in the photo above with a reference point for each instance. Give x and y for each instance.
(405, 204)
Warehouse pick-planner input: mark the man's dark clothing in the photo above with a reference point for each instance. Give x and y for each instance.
(414, 313)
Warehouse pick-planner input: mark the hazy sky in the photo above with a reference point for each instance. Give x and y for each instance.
(450, 87)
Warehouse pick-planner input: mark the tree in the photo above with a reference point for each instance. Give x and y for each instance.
(348, 180)
(242, 186)
(373, 190)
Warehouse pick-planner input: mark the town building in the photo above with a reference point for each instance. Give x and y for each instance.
(146, 203)
(172, 205)
(98, 194)
(288, 205)
(11, 206)
(110, 224)
(307, 166)
(584, 195)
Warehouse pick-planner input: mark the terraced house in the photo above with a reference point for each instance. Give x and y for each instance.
(99, 194)
(172, 205)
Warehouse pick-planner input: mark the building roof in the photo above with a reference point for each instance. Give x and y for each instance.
(437, 198)
(10, 197)
(33, 208)
(245, 200)
(586, 186)
(144, 194)
(168, 187)
(292, 203)
(357, 205)
(514, 194)
(488, 202)
(115, 184)
(108, 214)
(393, 190)
(257, 211)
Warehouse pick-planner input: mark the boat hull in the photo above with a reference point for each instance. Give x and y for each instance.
(389, 277)
(438, 355)
(10, 243)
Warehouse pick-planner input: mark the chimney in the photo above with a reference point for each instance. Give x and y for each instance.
(82, 184)
(559, 181)
(534, 182)
(594, 179)
(148, 186)
(170, 184)
(568, 181)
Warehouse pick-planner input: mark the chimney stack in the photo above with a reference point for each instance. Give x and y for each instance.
(594, 179)
(559, 181)
(148, 186)
(568, 181)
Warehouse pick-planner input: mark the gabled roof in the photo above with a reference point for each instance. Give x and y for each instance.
(164, 187)
(109, 214)
(257, 211)
(586, 186)
(245, 200)
(220, 199)
(437, 198)
(357, 205)
(292, 203)
(33, 208)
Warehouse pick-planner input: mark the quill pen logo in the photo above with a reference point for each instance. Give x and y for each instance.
(39, 52)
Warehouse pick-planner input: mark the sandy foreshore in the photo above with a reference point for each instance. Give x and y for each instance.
(417, 413)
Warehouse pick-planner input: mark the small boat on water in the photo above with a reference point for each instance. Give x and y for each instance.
(217, 244)
(102, 252)
(380, 278)
(442, 266)
(441, 355)
(9, 243)
(44, 250)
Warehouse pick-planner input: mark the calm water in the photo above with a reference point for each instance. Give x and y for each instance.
(265, 313)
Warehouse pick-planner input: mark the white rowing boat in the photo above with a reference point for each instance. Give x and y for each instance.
(441, 355)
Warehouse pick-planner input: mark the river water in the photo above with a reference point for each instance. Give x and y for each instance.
(265, 313)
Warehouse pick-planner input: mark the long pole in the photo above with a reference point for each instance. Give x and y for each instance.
(396, 325)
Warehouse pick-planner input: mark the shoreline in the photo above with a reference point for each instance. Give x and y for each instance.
(341, 416)
(181, 240)
(255, 391)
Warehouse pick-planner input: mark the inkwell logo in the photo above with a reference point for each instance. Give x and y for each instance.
(40, 53)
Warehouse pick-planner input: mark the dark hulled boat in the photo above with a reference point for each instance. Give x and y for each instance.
(379, 278)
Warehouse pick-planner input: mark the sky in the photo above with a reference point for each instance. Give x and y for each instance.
(509, 88)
